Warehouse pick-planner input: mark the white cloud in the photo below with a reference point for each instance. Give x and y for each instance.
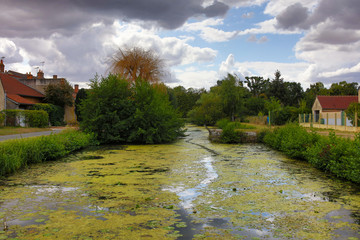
(174, 51)
(9, 50)
(291, 72)
(208, 32)
(341, 71)
(196, 78)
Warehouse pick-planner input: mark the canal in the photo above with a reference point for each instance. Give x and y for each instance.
(191, 189)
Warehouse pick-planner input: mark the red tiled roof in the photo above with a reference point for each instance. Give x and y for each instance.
(336, 102)
(12, 86)
(19, 99)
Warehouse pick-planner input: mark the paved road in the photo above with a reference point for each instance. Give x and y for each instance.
(26, 135)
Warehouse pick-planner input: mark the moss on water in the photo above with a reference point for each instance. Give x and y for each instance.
(134, 192)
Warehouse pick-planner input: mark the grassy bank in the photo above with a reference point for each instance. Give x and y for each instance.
(337, 155)
(15, 154)
(20, 130)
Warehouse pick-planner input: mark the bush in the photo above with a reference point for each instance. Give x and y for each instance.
(2, 119)
(30, 118)
(222, 123)
(117, 111)
(232, 131)
(231, 134)
(56, 113)
(333, 154)
(18, 153)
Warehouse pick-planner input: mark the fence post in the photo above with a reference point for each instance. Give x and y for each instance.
(335, 120)
(311, 120)
(327, 120)
(345, 120)
(356, 122)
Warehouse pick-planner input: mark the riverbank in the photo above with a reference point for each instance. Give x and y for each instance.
(17, 153)
(337, 155)
(190, 189)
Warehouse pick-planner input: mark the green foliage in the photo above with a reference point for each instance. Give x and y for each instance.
(2, 119)
(56, 113)
(209, 109)
(231, 93)
(154, 120)
(222, 123)
(117, 111)
(80, 96)
(31, 118)
(343, 88)
(291, 139)
(184, 99)
(254, 106)
(350, 113)
(231, 134)
(232, 131)
(18, 153)
(59, 94)
(339, 156)
(224, 100)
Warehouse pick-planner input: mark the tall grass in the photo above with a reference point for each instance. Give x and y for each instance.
(15, 154)
(333, 154)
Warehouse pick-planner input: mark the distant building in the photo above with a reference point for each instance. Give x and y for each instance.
(332, 106)
(21, 91)
(16, 95)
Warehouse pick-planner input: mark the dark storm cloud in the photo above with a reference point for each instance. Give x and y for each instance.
(24, 18)
(344, 13)
(293, 17)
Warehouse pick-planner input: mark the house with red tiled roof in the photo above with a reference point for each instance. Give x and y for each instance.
(14, 94)
(21, 91)
(332, 107)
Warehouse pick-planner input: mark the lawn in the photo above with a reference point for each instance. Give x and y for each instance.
(20, 130)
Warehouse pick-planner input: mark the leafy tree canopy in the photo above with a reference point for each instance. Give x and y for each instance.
(119, 111)
(59, 94)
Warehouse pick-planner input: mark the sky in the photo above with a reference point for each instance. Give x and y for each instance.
(200, 41)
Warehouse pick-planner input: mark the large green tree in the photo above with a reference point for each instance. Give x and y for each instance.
(138, 112)
(60, 94)
(209, 109)
(257, 85)
(232, 94)
(343, 88)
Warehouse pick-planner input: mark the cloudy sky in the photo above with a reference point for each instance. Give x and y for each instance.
(200, 40)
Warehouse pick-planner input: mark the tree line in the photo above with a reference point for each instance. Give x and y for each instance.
(132, 105)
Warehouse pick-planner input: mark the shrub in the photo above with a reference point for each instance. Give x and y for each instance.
(117, 111)
(2, 119)
(18, 153)
(56, 113)
(231, 134)
(333, 154)
(222, 123)
(30, 118)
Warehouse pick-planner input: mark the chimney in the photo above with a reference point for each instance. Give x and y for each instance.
(29, 75)
(40, 74)
(76, 88)
(54, 76)
(2, 66)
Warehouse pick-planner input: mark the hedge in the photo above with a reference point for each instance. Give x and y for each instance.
(31, 118)
(333, 154)
(56, 113)
(17, 153)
